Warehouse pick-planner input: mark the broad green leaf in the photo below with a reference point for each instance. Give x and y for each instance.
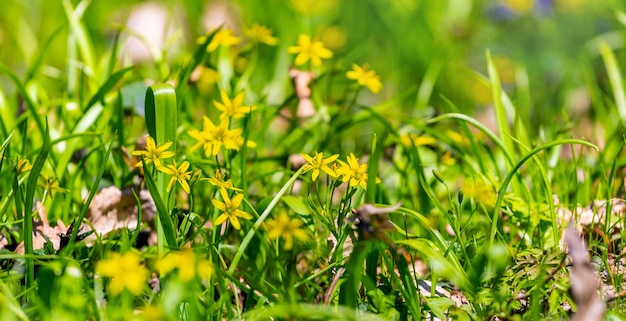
(296, 204)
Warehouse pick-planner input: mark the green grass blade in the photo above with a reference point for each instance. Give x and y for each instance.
(80, 33)
(426, 86)
(513, 171)
(27, 225)
(165, 221)
(161, 121)
(615, 77)
(246, 241)
(104, 89)
(30, 105)
(161, 112)
(501, 116)
(198, 58)
(372, 169)
(92, 193)
(462, 117)
(43, 52)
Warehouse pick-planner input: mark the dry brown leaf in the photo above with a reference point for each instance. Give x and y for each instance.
(43, 230)
(584, 283)
(113, 208)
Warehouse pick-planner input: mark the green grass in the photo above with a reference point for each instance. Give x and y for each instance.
(247, 228)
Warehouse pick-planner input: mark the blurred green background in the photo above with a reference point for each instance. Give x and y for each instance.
(546, 44)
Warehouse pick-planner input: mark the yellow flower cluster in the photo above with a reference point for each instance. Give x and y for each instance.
(225, 37)
(350, 172)
(213, 137)
(155, 154)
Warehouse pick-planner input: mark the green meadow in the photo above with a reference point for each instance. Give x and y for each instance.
(312, 160)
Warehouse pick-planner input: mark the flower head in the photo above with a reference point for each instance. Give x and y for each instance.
(218, 181)
(481, 190)
(23, 165)
(179, 174)
(318, 163)
(187, 264)
(365, 77)
(233, 108)
(50, 184)
(154, 153)
(261, 34)
(353, 172)
(212, 137)
(309, 50)
(223, 37)
(287, 228)
(125, 271)
(230, 209)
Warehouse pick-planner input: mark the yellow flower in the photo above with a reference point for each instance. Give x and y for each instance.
(261, 34)
(50, 184)
(287, 228)
(233, 108)
(187, 264)
(319, 163)
(353, 172)
(125, 271)
(309, 50)
(417, 140)
(223, 37)
(365, 77)
(447, 159)
(212, 137)
(180, 175)
(230, 210)
(154, 153)
(481, 190)
(219, 182)
(205, 269)
(23, 166)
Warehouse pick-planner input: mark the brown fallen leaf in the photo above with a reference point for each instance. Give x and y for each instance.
(113, 208)
(584, 283)
(42, 231)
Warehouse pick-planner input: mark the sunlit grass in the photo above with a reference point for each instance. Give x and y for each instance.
(312, 160)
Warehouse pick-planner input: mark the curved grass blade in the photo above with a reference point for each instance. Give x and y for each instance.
(246, 241)
(509, 177)
(479, 126)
